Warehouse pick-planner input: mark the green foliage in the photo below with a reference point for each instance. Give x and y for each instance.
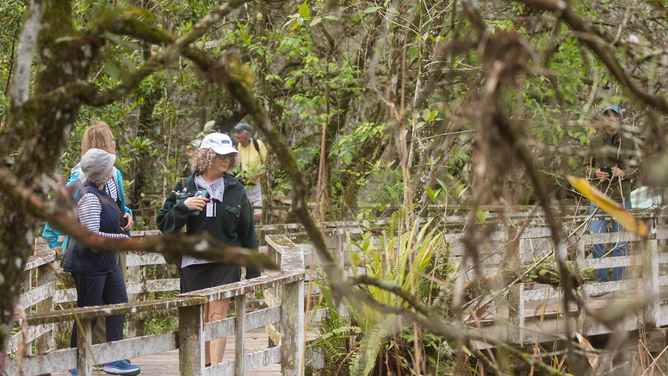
(348, 146)
(402, 255)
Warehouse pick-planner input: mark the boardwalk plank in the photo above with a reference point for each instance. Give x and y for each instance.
(167, 363)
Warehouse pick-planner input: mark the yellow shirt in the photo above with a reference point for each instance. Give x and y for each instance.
(252, 161)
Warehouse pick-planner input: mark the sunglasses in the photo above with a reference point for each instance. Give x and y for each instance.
(223, 157)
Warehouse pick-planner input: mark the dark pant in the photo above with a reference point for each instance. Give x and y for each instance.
(95, 290)
(620, 249)
(100, 332)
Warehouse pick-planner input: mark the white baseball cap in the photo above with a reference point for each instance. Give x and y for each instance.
(219, 142)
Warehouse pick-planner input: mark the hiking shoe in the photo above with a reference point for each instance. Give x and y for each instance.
(121, 368)
(73, 372)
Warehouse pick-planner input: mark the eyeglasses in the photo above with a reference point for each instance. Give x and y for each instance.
(223, 157)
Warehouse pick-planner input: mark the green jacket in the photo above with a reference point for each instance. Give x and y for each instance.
(233, 223)
(622, 154)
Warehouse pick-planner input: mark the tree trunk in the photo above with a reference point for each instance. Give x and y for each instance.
(43, 127)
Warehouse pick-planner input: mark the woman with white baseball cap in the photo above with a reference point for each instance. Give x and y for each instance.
(217, 204)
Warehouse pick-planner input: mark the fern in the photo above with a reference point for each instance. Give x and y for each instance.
(370, 346)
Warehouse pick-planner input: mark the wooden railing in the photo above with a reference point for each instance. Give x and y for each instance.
(288, 312)
(523, 306)
(528, 320)
(281, 292)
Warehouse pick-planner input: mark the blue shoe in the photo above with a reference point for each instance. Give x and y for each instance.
(121, 367)
(73, 372)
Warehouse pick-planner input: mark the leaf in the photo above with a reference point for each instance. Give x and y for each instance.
(481, 216)
(460, 190)
(425, 114)
(304, 11)
(371, 10)
(419, 125)
(431, 116)
(65, 39)
(332, 18)
(442, 184)
(430, 192)
(315, 21)
(592, 357)
(112, 70)
(623, 217)
(355, 259)
(296, 25)
(347, 158)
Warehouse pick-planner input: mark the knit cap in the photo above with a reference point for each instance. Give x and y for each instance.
(96, 164)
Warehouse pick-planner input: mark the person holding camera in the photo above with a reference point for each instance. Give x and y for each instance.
(96, 274)
(253, 154)
(614, 168)
(214, 203)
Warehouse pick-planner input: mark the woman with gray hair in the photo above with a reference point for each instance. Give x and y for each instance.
(96, 275)
(216, 204)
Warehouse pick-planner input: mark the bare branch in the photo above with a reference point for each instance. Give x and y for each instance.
(588, 35)
(176, 46)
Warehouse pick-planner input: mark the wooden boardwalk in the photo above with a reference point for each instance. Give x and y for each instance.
(167, 363)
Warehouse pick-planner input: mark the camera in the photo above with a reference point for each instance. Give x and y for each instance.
(607, 170)
(200, 193)
(124, 222)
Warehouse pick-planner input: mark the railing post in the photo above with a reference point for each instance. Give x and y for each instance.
(516, 314)
(84, 343)
(582, 248)
(292, 328)
(651, 284)
(191, 341)
(240, 335)
(135, 274)
(27, 286)
(45, 277)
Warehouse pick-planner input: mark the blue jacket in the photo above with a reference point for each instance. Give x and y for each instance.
(50, 234)
(85, 260)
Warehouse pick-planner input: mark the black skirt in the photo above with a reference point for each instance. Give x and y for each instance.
(204, 276)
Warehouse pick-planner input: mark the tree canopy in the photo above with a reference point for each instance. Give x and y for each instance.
(369, 106)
